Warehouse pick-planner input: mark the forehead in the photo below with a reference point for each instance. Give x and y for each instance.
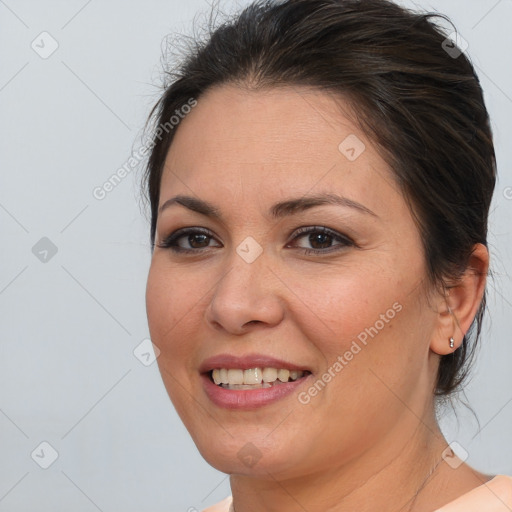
(285, 122)
(274, 141)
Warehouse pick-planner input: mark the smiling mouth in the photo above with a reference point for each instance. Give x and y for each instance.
(254, 378)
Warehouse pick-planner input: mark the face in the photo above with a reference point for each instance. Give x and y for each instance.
(296, 258)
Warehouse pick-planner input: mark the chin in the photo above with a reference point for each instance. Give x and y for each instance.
(248, 462)
(264, 456)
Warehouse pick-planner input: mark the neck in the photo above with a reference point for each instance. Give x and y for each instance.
(401, 473)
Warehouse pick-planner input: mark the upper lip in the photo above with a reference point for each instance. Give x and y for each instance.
(246, 362)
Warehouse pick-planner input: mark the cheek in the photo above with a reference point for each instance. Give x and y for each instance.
(171, 292)
(160, 307)
(170, 303)
(352, 304)
(368, 317)
(368, 337)
(172, 299)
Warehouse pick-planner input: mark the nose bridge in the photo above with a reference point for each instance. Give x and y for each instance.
(244, 279)
(242, 294)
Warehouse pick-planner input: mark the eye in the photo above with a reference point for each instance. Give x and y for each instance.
(321, 238)
(195, 240)
(187, 240)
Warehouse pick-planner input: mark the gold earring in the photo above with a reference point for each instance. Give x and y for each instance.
(452, 341)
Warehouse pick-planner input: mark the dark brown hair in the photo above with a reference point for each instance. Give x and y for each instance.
(416, 97)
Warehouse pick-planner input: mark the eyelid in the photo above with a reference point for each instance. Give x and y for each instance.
(321, 229)
(345, 240)
(179, 233)
(169, 242)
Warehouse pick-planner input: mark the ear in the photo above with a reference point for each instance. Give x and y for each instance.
(457, 309)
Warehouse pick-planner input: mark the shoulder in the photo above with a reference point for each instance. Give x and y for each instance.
(492, 496)
(222, 506)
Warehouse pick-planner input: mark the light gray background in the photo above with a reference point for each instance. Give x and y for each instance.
(69, 326)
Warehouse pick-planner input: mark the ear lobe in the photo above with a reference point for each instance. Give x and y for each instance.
(459, 307)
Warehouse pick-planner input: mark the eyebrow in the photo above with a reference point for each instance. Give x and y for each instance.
(277, 211)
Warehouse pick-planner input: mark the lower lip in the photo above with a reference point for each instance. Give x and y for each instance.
(248, 398)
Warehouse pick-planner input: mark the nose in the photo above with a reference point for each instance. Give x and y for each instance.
(246, 294)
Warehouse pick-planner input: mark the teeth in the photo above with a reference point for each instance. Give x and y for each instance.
(253, 378)
(235, 376)
(283, 375)
(269, 374)
(247, 386)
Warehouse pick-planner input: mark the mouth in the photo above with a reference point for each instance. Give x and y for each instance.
(251, 381)
(254, 378)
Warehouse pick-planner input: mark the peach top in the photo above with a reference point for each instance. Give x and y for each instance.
(492, 496)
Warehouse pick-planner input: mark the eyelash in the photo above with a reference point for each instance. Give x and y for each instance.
(170, 241)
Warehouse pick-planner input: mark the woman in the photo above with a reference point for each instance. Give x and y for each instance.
(320, 180)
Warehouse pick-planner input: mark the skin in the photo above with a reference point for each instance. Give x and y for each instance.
(369, 440)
